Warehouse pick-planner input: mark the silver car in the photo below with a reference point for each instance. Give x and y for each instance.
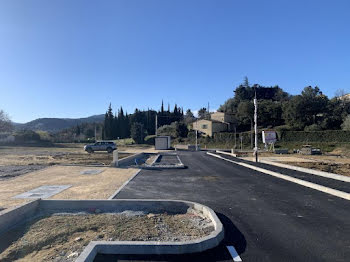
(101, 146)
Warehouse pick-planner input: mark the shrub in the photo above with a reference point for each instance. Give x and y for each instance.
(338, 136)
(313, 127)
(27, 136)
(150, 140)
(346, 124)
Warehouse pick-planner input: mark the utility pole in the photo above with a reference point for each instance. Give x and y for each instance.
(235, 138)
(95, 134)
(156, 124)
(196, 134)
(256, 126)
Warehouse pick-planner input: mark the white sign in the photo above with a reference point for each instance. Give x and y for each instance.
(269, 137)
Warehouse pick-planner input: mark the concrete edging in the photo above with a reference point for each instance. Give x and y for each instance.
(296, 168)
(309, 171)
(129, 160)
(12, 216)
(226, 153)
(153, 166)
(123, 247)
(155, 160)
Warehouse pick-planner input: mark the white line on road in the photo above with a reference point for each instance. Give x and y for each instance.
(234, 253)
(324, 189)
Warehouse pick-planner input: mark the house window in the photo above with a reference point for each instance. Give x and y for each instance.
(204, 126)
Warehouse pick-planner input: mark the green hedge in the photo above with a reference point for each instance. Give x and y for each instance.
(338, 136)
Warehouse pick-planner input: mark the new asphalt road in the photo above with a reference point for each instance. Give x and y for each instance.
(265, 218)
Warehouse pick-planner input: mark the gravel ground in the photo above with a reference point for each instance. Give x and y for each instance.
(62, 237)
(13, 171)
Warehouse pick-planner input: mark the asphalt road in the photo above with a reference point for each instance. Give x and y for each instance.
(265, 218)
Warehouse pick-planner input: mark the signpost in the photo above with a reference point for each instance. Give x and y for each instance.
(269, 137)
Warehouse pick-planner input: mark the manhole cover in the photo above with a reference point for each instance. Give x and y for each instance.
(43, 191)
(91, 172)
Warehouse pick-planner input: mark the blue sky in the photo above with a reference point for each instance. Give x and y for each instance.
(64, 58)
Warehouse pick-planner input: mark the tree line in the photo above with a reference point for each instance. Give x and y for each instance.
(139, 124)
(310, 111)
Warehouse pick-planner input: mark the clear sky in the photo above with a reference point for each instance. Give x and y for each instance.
(71, 58)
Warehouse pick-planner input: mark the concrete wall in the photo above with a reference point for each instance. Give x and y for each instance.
(211, 126)
(12, 216)
(222, 117)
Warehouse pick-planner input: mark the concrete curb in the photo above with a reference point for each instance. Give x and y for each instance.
(309, 171)
(123, 247)
(225, 153)
(12, 216)
(153, 166)
(323, 189)
(296, 168)
(155, 160)
(129, 160)
(163, 167)
(125, 183)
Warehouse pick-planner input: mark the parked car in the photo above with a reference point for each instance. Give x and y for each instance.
(101, 146)
(309, 150)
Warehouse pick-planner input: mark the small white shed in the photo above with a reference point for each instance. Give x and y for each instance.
(162, 142)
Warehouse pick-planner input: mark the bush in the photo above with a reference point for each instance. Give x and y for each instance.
(27, 136)
(150, 140)
(167, 130)
(313, 127)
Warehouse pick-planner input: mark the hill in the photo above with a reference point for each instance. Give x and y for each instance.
(57, 124)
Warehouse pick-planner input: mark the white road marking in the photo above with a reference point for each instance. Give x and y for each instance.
(318, 187)
(234, 253)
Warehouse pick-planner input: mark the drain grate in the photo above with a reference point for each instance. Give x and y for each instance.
(43, 191)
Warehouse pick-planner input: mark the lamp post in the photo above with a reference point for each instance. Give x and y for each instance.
(256, 126)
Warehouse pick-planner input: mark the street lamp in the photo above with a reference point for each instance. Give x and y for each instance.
(256, 125)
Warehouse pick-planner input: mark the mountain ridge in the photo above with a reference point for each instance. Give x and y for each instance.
(56, 124)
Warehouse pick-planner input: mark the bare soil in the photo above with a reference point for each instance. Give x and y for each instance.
(62, 237)
(16, 161)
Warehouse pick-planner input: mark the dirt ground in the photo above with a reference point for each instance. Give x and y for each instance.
(45, 239)
(336, 168)
(59, 154)
(16, 161)
(97, 186)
